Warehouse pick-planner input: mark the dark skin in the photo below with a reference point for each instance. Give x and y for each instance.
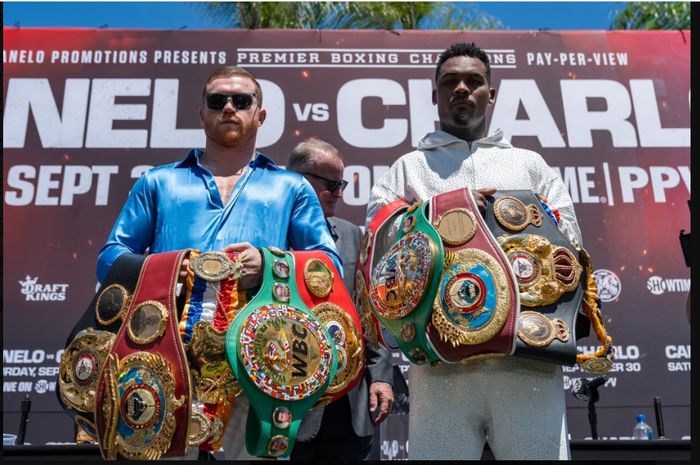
(462, 95)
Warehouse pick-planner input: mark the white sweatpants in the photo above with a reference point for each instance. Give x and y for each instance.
(515, 404)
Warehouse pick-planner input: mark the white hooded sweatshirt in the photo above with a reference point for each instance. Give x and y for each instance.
(443, 163)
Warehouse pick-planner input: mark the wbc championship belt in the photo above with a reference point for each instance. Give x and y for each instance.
(143, 398)
(281, 354)
(440, 284)
(554, 277)
(383, 226)
(398, 257)
(475, 307)
(91, 340)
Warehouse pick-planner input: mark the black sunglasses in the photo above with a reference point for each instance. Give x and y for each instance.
(331, 185)
(240, 101)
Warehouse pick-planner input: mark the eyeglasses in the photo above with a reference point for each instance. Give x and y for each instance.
(331, 185)
(240, 101)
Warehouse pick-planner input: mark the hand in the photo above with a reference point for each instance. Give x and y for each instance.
(251, 274)
(183, 270)
(480, 198)
(383, 394)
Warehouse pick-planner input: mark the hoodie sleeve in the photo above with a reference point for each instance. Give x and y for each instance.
(389, 187)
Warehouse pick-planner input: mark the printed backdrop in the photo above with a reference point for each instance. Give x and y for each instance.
(87, 111)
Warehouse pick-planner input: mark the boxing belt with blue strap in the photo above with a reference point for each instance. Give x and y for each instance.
(91, 340)
(554, 277)
(281, 353)
(438, 282)
(143, 393)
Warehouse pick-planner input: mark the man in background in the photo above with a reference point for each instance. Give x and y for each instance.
(344, 428)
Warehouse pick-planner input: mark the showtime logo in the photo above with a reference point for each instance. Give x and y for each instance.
(609, 285)
(658, 285)
(36, 292)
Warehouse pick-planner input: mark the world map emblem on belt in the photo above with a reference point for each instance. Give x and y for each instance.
(285, 352)
(401, 276)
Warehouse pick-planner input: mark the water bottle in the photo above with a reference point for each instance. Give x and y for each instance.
(641, 429)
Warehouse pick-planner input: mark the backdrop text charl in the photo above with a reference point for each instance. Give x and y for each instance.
(87, 111)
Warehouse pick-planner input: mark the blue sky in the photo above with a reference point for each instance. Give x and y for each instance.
(185, 15)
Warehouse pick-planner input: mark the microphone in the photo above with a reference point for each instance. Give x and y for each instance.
(26, 406)
(585, 389)
(659, 418)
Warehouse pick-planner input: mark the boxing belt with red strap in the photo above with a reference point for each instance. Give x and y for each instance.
(91, 340)
(439, 283)
(550, 276)
(143, 395)
(476, 305)
(334, 307)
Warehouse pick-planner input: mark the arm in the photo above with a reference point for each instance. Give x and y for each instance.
(385, 190)
(134, 229)
(308, 229)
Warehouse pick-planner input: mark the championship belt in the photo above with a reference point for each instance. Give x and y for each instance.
(143, 398)
(400, 266)
(475, 308)
(282, 356)
(554, 277)
(380, 227)
(328, 298)
(91, 340)
(212, 300)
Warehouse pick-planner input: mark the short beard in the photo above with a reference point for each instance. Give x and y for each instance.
(461, 118)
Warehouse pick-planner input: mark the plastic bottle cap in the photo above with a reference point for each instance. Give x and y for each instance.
(641, 417)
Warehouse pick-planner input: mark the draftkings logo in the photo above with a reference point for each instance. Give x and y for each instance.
(658, 285)
(37, 292)
(609, 285)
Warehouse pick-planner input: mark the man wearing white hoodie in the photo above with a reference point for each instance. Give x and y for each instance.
(515, 404)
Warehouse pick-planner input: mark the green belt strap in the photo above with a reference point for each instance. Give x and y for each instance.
(282, 356)
(407, 319)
